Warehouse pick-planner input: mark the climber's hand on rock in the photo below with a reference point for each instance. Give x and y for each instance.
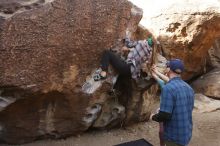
(124, 49)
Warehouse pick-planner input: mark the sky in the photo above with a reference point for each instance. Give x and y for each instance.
(154, 8)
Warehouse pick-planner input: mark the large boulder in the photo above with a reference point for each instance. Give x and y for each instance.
(185, 29)
(48, 49)
(204, 104)
(214, 54)
(209, 84)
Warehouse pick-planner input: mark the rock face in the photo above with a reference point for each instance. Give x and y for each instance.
(214, 54)
(186, 29)
(209, 84)
(47, 50)
(204, 104)
(50, 49)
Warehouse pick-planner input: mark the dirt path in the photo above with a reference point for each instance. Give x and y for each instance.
(206, 129)
(206, 133)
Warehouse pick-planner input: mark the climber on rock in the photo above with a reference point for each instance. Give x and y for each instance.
(139, 53)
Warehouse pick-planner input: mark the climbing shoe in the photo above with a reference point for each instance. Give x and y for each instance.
(99, 77)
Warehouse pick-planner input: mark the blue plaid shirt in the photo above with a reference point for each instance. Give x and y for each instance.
(177, 98)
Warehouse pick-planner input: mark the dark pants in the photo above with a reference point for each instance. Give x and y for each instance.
(123, 83)
(117, 63)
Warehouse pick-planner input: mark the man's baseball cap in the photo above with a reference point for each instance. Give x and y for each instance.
(176, 65)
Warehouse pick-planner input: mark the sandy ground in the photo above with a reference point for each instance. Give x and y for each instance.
(206, 132)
